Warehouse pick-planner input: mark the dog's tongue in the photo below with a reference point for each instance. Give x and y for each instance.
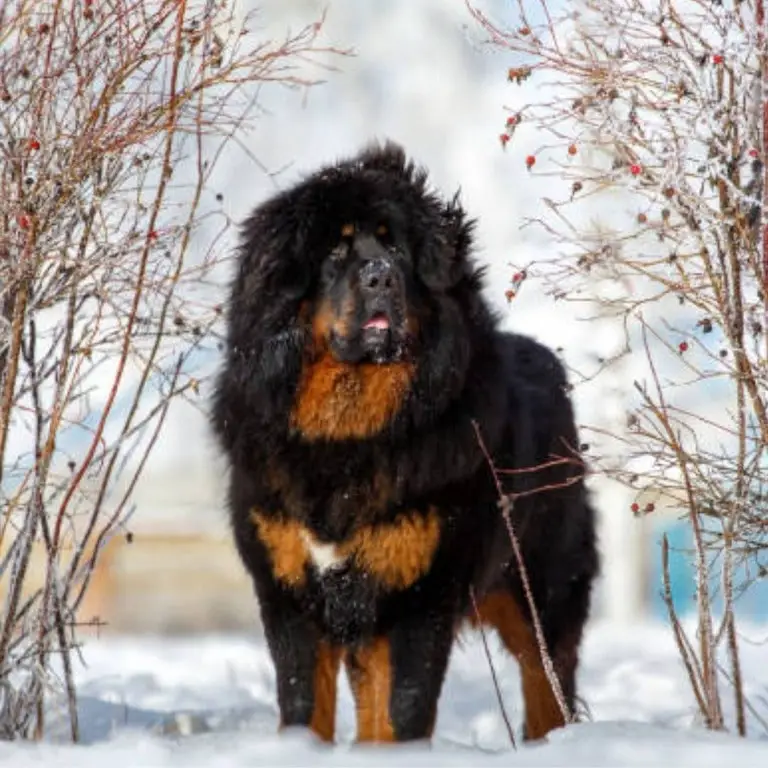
(378, 321)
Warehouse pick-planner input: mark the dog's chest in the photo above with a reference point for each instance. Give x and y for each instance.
(341, 583)
(323, 557)
(392, 555)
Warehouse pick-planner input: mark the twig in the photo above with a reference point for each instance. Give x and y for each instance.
(683, 646)
(505, 504)
(491, 666)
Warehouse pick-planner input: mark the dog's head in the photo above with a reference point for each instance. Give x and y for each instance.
(365, 299)
(363, 272)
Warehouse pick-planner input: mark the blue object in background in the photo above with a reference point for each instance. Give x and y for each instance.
(751, 605)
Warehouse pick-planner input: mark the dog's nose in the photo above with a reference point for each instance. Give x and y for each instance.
(378, 276)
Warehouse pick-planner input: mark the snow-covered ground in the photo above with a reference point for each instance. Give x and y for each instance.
(134, 691)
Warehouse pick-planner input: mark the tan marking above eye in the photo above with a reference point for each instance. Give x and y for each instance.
(382, 230)
(348, 230)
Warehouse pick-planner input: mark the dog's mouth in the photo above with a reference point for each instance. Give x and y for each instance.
(378, 323)
(380, 339)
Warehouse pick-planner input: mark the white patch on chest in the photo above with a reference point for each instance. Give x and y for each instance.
(323, 556)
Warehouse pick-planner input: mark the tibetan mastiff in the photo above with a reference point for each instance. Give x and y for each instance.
(372, 413)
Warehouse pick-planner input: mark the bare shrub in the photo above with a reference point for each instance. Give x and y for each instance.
(113, 116)
(656, 111)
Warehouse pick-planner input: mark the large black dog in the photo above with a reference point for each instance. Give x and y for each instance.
(362, 367)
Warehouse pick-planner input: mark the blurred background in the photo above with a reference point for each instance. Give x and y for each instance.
(419, 74)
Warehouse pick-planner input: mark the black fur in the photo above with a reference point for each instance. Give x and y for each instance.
(466, 374)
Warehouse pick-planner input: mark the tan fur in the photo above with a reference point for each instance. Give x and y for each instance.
(370, 676)
(338, 401)
(396, 554)
(542, 713)
(323, 721)
(287, 552)
(400, 553)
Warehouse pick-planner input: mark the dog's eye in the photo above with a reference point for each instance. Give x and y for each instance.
(348, 230)
(385, 236)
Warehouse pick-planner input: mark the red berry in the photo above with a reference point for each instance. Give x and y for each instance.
(524, 31)
(650, 506)
(517, 277)
(683, 346)
(530, 161)
(754, 153)
(512, 120)
(635, 507)
(23, 221)
(509, 295)
(152, 234)
(635, 169)
(44, 28)
(33, 144)
(504, 138)
(572, 150)
(718, 59)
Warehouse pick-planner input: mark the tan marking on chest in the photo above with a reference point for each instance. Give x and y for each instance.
(399, 554)
(396, 554)
(284, 542)
(338, 401)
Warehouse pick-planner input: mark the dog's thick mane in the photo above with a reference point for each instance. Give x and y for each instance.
(281, 250)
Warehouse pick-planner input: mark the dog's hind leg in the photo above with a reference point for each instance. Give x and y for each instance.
(543, 712)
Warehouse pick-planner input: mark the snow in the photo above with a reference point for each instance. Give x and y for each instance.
(211, 701)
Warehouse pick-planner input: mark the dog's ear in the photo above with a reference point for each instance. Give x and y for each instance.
(274, 268)
(266, 333)
(444, 258)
